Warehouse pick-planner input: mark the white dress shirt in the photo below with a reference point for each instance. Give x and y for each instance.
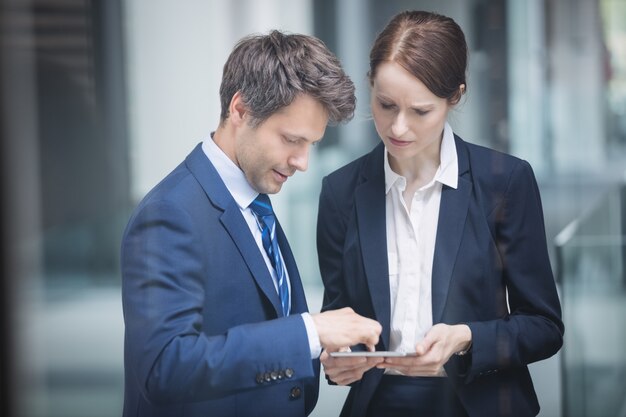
(411, 239)
(243, 194)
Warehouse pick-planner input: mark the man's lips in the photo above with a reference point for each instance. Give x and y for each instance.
(281, 177)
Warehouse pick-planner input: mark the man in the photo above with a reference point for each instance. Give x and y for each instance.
(215, 313)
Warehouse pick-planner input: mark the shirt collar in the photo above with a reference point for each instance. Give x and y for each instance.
(447, 173)
(230, 173)
(391, 177)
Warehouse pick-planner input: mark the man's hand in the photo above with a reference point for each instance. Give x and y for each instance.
(340, 328)
(344, 371)
(432, 353)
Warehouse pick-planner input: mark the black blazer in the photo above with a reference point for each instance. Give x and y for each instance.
(490, 245)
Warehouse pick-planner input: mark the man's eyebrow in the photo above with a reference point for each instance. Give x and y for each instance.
(298, 138)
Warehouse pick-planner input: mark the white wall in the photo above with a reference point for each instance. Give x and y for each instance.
(175, 51)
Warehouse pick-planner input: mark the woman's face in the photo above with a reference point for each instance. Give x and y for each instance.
(409, 118)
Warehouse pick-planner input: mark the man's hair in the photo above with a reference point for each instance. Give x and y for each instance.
(271, 70)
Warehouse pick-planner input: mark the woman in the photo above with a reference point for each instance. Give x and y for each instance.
(439, 240)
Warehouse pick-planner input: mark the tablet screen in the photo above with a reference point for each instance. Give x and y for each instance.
(379, 353)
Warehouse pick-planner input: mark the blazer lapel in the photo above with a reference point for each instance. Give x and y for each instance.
(371, 218)
(452, 216)
(234, 223)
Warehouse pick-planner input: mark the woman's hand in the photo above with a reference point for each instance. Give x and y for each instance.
(432, 353)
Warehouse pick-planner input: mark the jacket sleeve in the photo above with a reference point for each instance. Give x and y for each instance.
(171, 358)
(533, 329)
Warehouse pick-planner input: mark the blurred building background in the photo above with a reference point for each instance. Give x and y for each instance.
(99, 99)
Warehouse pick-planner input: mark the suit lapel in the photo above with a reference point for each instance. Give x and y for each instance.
(371, 218)
(238, 230)
(451, 223)
(234, 223)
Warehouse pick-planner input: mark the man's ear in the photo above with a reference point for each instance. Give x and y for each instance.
(237, 109)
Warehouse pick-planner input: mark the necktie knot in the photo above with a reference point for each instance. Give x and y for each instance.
(262, 206)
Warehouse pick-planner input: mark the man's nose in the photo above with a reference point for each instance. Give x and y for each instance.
(300, 159)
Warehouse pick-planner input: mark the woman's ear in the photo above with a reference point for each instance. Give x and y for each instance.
(454, 100)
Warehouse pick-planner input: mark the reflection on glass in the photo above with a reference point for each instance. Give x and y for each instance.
(591, 272)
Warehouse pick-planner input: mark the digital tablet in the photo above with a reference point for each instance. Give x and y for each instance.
(380, 353)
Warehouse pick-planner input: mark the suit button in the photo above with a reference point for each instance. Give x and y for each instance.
(281, 374)
(259, 378)
(274, 375)
(288, 372)
(295, 393)
(268, 378)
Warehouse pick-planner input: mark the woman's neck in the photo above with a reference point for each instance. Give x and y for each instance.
(418, 171)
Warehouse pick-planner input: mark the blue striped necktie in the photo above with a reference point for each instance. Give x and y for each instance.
(262, 208)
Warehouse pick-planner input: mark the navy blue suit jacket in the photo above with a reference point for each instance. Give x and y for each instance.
(490, 242)
(204, 333)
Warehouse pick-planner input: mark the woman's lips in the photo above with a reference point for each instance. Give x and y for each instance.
(399, 143)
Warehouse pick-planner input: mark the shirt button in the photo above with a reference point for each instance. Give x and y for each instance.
(295, 393)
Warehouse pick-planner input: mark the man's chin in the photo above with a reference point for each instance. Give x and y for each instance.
(269, 188)
(275, 190)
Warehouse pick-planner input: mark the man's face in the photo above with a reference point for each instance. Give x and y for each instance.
(275, 149)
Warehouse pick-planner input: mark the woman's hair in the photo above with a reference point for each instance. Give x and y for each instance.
(430, 46)
(271, 70)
